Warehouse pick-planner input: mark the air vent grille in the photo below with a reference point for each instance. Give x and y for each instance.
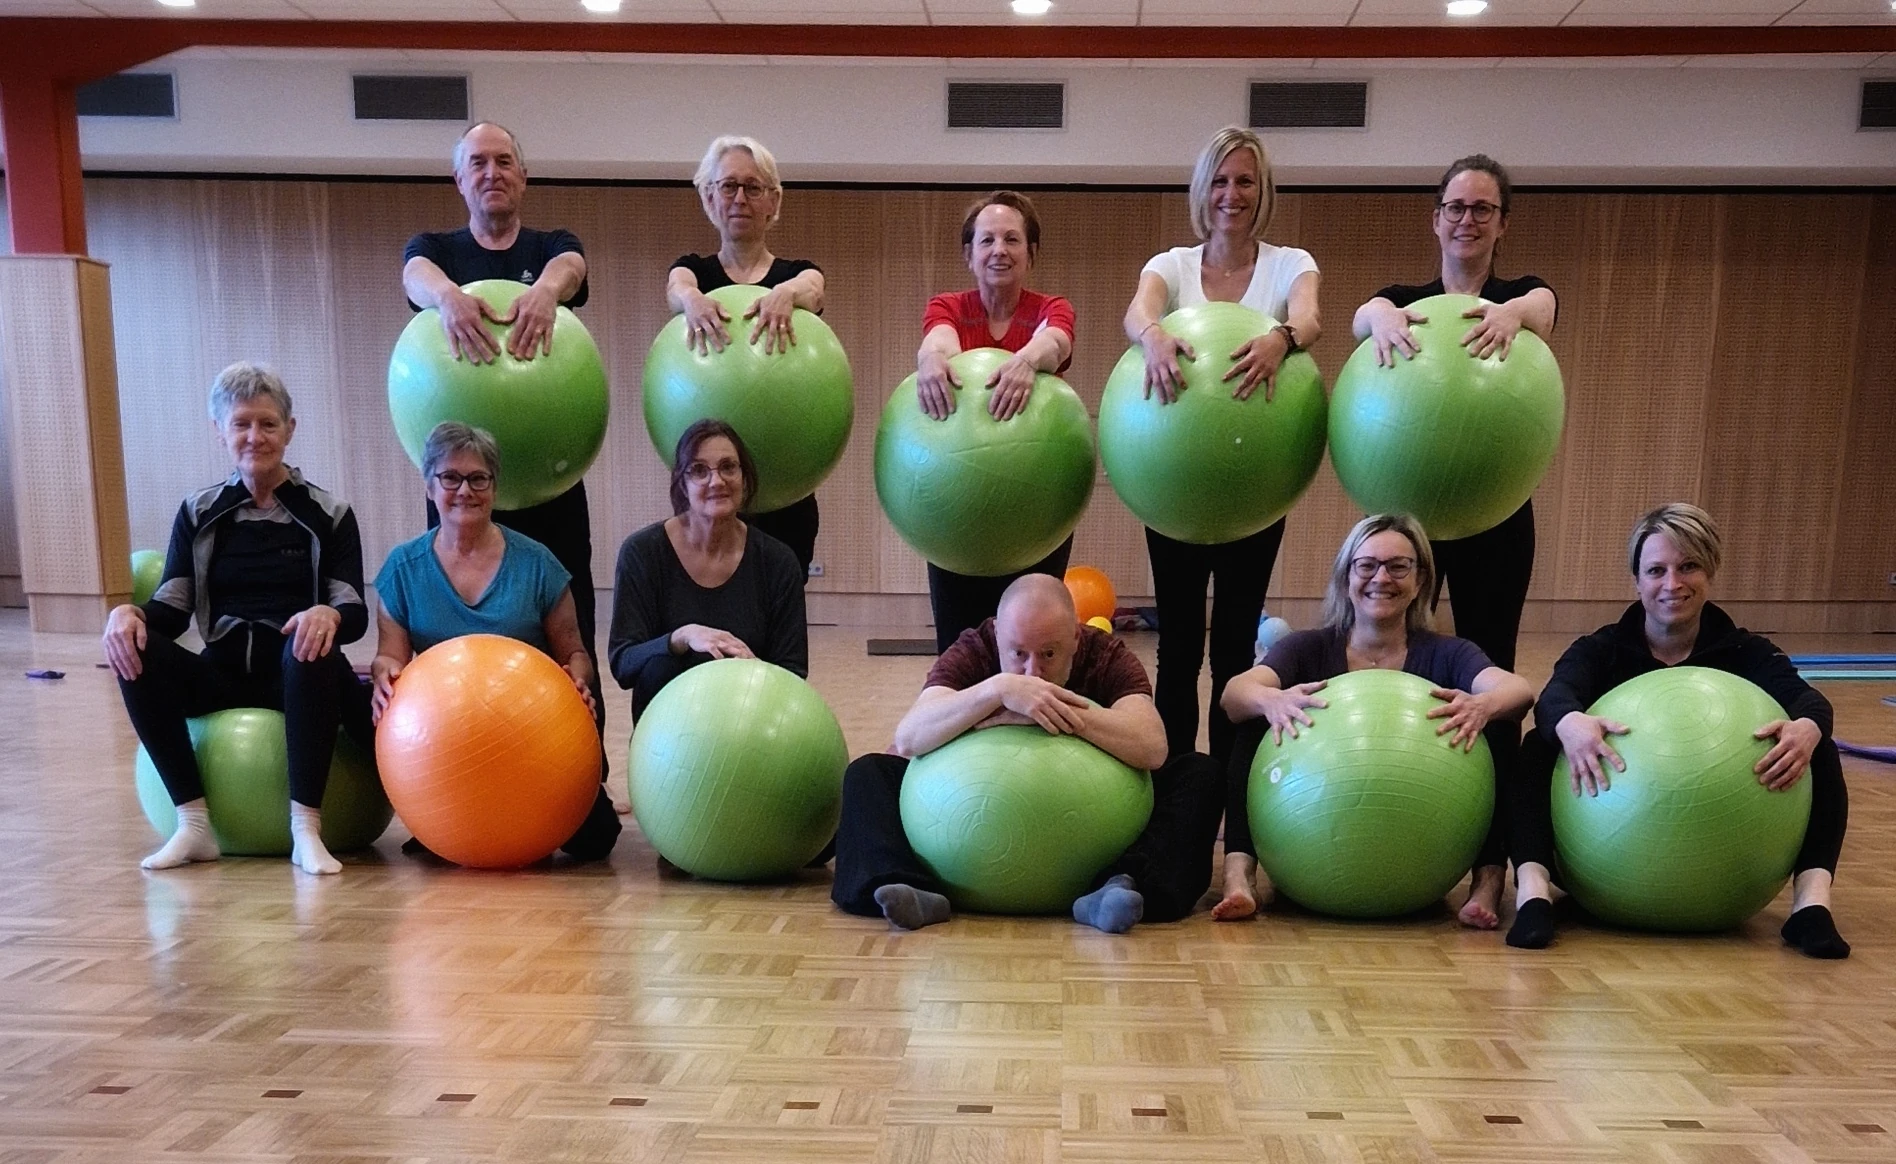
(1006, 105)
(130, 95)
(1879, 105)
(1309, 104)
(429, 97)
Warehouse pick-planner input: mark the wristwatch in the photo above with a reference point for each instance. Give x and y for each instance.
(1290, 337)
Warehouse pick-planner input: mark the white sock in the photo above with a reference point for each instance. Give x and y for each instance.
(191, 842)
(307, 851)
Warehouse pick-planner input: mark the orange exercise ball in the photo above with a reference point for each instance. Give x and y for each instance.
(487, 752)
(1092, 593)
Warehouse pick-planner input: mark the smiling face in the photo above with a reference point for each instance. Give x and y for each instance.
(739, 198)
(491, 178)
(998, 256)
(1237, 190)
(714, 480)
(1673, 585)
(463, 503)
(1468, 242)
(255, 433)
(1382, 597)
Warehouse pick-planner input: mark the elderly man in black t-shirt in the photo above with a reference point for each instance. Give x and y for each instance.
(1034, 664)
(491, 174)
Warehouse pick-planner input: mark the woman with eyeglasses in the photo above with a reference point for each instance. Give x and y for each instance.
(1375, 615)
(742, 196)
(1487, 574)
(704, 584)
(471, 575)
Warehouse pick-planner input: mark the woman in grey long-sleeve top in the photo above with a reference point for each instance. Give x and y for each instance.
(702, 584)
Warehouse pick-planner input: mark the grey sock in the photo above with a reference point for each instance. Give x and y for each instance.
(1113, 908)
(909, 908)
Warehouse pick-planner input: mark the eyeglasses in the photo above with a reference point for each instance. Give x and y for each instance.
(730, 188)
(1478, 212)
(1399, 568)
(698, 472)
(478, 482)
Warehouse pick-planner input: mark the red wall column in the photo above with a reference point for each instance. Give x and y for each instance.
(39, 122)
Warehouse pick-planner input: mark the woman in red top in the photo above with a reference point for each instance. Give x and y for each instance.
(1000, 238)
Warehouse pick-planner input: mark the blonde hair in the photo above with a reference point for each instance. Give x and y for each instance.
(1337, 610)
(724, 144)
(1222, 145)
(1690, 528)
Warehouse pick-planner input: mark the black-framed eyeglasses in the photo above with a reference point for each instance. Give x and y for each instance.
(449, 481)
(730, 188)
(698, 472)
(1478, 212)
(1399, 568)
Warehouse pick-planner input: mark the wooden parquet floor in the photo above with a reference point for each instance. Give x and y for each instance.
(402, 1012)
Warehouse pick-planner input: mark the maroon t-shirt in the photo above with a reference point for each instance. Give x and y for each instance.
(1104, 669)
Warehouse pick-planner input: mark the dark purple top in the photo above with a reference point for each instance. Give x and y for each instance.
(1312, 655)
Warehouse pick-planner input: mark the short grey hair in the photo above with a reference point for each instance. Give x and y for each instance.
(1337, 610)
(724, 144)
(451, 437)
(243, 382)
(1222, 145)
(460, 145)
(1690, 528)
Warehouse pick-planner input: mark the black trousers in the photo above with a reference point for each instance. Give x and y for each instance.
(1532, 821)
(315, 699)
(795, 525)
(1504, 743)
(962, 601)
(1181, 574)
(1169, 863)
(652, 677)
(1487, 576)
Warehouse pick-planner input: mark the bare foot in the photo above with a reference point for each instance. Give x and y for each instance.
(1237, 903)
(1482, 909)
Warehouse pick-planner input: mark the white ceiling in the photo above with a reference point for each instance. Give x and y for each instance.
(1541, 13)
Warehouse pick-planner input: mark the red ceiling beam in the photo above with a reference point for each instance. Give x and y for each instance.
(84, 49)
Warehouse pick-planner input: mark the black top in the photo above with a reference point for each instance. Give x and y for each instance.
(464, 260)
(1608, 657)
(260, 567)
(1495, 290)
(761, 603)
(712, 275)
(1313, 655)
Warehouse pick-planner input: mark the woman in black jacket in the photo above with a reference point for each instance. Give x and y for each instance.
(1674, 555)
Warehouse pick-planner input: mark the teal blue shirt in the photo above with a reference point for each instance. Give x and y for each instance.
(415, 591)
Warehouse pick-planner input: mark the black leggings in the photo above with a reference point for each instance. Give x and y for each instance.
(315, 699)
(964, 601)
(1170, 862)
(795, 525)
(1504, 744)
(1487, 576)
(1181, 573)
(1533, 813)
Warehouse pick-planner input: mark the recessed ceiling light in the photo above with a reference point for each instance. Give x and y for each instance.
(599, 5)
(179, 3)
(1040, 7)
(1467, 7)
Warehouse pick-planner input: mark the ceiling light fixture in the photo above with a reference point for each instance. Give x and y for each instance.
(1467, 7)
(179, 3)
(1040, 7)
(599, 5)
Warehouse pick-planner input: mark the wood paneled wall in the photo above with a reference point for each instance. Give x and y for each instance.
(1734, 349)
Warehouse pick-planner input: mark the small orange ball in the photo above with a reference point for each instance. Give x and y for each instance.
(1092, 593)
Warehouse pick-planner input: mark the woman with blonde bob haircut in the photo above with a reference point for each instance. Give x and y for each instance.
(1673, 554)
(742, 195)
(1376, 615)
(1232, 199)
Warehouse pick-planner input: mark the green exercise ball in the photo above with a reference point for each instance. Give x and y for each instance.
(1014, 820)
(1369, 813)
(1686, 838)
(1458, 443)
(148, 570)
(547, 414)
(1208, 468)
(793, 408)
(245, 767)
(982, 496)
(736, 771)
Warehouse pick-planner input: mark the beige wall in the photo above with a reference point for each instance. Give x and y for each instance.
(1735, 349)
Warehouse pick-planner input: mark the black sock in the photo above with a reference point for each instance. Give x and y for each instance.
(1814, 933)
(1533, 927)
